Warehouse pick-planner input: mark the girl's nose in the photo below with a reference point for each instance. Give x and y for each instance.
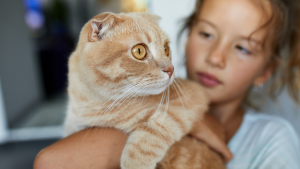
(217, 57)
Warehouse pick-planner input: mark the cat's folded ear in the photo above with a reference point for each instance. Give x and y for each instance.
(101, 24)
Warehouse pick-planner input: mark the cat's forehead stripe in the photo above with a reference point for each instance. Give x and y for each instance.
(148, 37)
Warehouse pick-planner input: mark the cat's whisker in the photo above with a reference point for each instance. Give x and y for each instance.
(117, 100)
(180, 100)
(183, 91)
(93, 119)
(133, 103)
(124, 102)
(139, 95)
(179, 88)
(168, 98)
(167, 106)
(106, 102)
(128, 95)
(136, 93)
(160, 104)
(143, 96)
(113, 114)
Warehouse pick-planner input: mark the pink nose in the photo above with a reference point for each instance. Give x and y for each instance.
(169, 70)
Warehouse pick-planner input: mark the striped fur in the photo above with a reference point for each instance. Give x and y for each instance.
(108, 87)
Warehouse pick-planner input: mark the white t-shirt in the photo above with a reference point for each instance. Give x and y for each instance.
(264, 142)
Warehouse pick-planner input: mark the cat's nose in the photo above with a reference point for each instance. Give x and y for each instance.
(169, 70)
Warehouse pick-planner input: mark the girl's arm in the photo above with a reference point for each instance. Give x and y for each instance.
(90, 148)
(101, 148)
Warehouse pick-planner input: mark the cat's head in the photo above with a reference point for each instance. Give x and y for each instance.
(125, 52)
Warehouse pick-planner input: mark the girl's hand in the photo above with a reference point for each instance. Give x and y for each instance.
(210, 131)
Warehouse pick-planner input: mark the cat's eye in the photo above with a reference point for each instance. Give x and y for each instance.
(139, 52)
(167, 49)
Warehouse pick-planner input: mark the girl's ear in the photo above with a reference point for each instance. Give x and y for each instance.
(101, 24)
(266, 74)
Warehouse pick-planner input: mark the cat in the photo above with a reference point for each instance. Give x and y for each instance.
(121, 76)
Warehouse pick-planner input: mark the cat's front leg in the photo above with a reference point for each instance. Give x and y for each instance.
(147, 145)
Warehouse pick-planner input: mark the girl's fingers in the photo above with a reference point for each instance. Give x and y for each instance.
(214, 142)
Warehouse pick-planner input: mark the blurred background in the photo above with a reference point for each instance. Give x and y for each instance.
(36, 39)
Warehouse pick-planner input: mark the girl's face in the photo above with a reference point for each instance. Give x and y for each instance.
(220, 55)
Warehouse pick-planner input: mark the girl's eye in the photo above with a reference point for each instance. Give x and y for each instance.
(244, 50)
(206, 35)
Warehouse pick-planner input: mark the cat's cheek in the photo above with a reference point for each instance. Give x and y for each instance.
(88, 49)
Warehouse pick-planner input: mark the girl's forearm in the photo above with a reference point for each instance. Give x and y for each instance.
(90, 148)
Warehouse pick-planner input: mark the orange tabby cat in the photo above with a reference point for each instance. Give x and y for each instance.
(121, 76)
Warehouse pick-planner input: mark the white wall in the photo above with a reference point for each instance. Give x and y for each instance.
(18, 68)
(172, 11)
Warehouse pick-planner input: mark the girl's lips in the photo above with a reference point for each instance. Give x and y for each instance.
(208, 80)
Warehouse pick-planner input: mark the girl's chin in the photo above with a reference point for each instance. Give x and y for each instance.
(214, 96)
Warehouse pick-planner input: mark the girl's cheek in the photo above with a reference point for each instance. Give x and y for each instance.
(242, 73)
(196, 47)
(193, 55)
(191, 62)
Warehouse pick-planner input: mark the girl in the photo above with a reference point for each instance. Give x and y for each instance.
(232, 46)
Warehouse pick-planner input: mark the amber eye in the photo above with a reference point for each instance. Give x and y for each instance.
(167, 49)
(139, 52)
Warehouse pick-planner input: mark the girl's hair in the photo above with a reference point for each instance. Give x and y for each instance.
(284, 32)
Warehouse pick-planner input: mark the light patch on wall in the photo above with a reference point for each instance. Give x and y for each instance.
(134, 5)
(3, 122)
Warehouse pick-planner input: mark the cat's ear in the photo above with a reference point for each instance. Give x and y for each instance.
(101, 24)
(150, 16)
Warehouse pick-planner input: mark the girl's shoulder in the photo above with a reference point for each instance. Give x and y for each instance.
(268, 123)
(265, 141)
(264, 127)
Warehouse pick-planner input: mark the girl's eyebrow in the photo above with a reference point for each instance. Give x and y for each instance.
(248, 38)
(207, 22)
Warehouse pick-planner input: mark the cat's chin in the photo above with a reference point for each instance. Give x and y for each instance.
(158, 89)
(155, 91)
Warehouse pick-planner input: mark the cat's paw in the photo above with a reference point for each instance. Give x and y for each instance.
(135, 158)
